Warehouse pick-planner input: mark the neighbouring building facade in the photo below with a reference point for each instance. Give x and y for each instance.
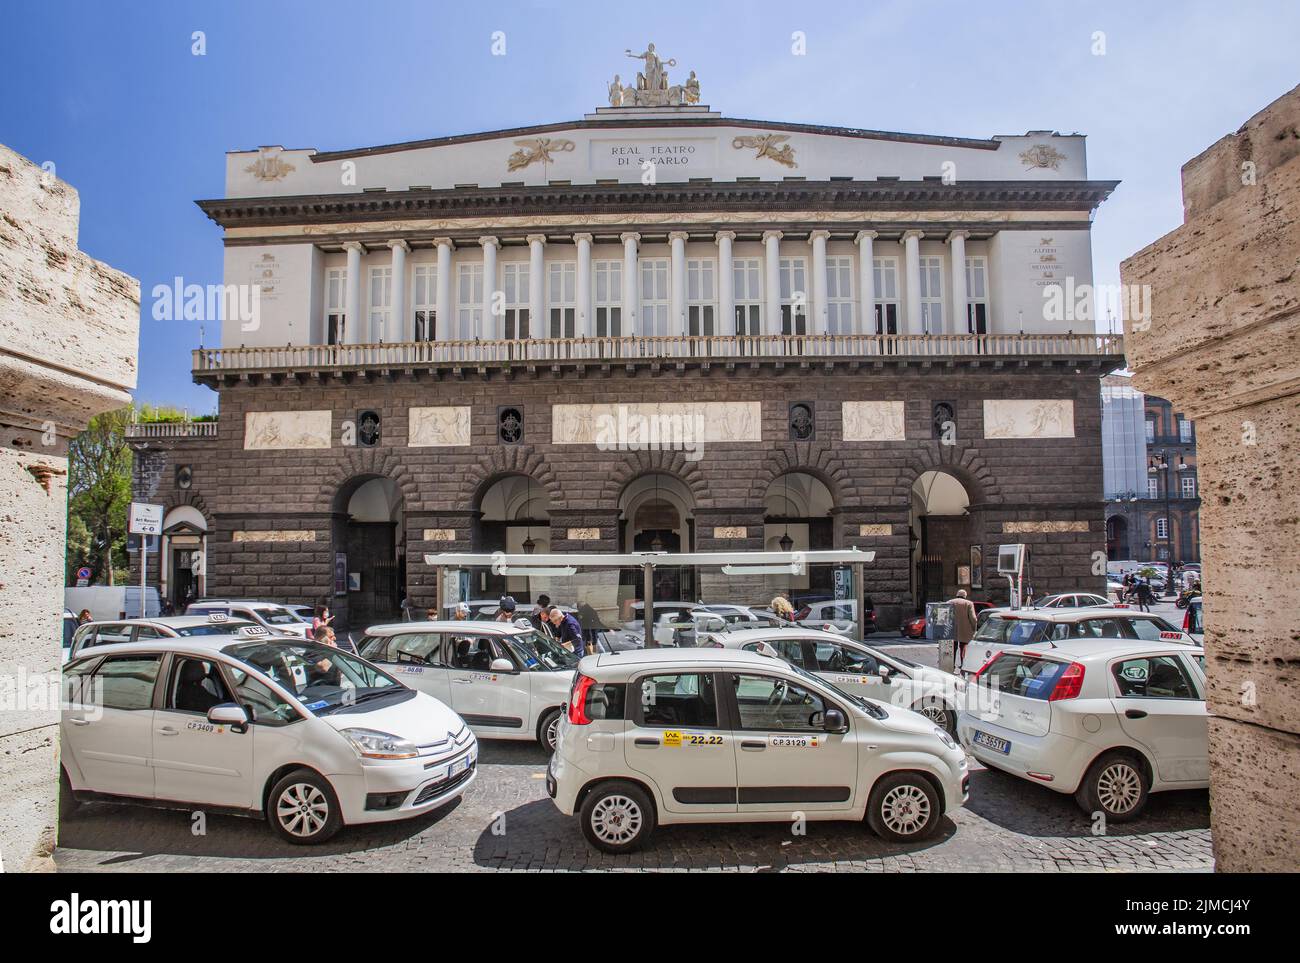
(468, 342)
(1153, 501)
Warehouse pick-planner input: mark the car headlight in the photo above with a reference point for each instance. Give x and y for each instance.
(371, 744)
(945, 738)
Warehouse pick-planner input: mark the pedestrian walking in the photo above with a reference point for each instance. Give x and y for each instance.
(1144, 596)
(964, 622)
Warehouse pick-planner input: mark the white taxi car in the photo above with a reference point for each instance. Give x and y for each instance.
(307, 736)
(272, 616)
(117, 632)
(658, 736)
(506, 681)
(1110, 721)
(1007, 629)
(860, 669)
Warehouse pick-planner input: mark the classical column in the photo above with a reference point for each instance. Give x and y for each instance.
(537, 326)
(866, 282)
(957, 245)
(446, 324)
(631, 278)
(354, 323)
(399, 330)
(726, 283)
(912, 264)
(489, 245)
(772, 281)
(584, 328)
(677, 277)
(820, 315)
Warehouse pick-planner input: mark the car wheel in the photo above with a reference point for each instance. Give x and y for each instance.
(548, 730)
(617, 817)
(303, 809)
(939, 714)
(68, 803)
(903, 808)
(1116, 784)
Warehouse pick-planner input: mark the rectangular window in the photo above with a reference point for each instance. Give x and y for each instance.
(514, 289)
(1184, 431)
(1157, 677)
(381, 303)
(196, 686)
(336, 293)
(609, 298)
(839, 295)
(775, 705)
(424, 301)
(932, 295)
(701, 294)
(126, 681)
(469, 301)
(1187, 485)
(885, 272)
(654, 297)
(562, 296)
(1151, 430)
(1162, 528)
(748, 293)
(689, 700)
(794, 295)
(977, 296)
(1153, 488)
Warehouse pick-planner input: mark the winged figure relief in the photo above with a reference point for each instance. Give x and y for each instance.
(770, 146)
(538, 149)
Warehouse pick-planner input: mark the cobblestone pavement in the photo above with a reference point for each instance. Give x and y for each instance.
(506, 822)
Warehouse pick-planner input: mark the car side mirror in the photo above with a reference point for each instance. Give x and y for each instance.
(883, 672)
(501, 665)
(834, 721)
(229, 714)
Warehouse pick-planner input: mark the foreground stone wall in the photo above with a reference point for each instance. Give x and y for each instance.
(68, 334)
(1222, 346)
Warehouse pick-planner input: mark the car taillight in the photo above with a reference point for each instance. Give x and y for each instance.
(1187, 620)
(1069, 684)
(578, 702)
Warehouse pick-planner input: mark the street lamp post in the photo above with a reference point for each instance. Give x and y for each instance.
(1161, 461)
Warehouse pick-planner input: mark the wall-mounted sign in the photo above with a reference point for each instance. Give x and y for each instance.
(636, 154)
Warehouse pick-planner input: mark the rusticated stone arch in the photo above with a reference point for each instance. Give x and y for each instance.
(191, 499)
(361, 462)
(964, 464)
(637, 463)
(814, 458)
(502, 462)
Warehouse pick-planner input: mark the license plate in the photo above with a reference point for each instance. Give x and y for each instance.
(992, 742)
(459, 766)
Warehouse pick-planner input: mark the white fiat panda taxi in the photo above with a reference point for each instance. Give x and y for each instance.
(657, 736)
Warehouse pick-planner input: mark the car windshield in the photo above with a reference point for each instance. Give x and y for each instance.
(1003, 631)
(537, 651)
(321, 677)
(228, 627)
(274, 615)
(866, 705)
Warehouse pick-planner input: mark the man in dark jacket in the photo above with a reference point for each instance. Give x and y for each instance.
(569, 632)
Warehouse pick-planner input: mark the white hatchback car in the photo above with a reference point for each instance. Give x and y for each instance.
(309, 737)
(1110, 721)
(657, 736)
(1007, 629)
(860, 669)
(272, 616)
(506, 681)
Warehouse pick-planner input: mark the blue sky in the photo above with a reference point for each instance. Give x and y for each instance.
(111, 94)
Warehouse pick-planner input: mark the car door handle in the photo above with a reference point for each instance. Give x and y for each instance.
(647, 742)
(753, 745)
(167, 731)
(80, 722)
(462, 681)
(1134, 714)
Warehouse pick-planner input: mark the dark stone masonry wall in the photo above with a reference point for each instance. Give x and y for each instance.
(1041, 480)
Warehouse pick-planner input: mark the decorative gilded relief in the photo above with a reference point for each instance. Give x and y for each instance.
(1042, 528)
(275, 535)
(438, 427)
(538, 149)
(280, 430)
(584, 534)
(440, 534)
(873, 421)
(269, 166)
(730, 532)
(1029, 418)
(1042, 155)
(766, 145)
(874, 531)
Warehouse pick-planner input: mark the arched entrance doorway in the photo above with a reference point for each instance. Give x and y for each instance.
(514, 517)
(369, 551)
(184, 556)
(657, 514)
(1117, 540)
(940, 535)
(797, 517)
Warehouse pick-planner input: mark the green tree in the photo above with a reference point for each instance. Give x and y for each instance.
(99, 491)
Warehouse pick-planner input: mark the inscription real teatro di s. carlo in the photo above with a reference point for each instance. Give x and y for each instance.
(633, 154)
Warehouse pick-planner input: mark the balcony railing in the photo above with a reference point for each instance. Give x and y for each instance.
(172, 429)
(766, 348)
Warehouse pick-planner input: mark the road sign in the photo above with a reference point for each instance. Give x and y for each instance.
(145, 519)
(83, 572)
